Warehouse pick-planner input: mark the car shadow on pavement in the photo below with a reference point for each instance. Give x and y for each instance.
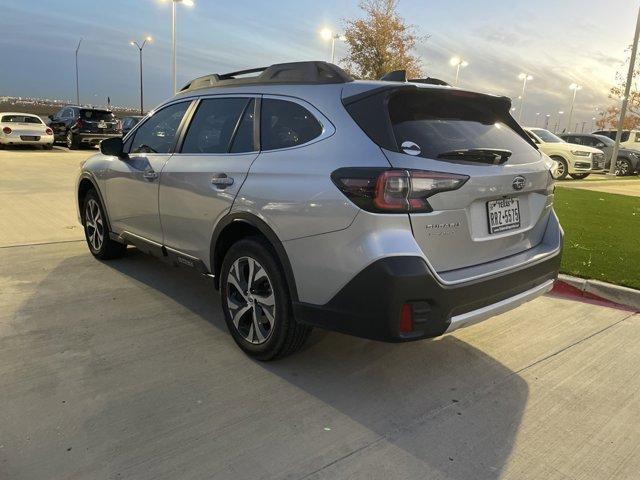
(449, 406)
(108, 356)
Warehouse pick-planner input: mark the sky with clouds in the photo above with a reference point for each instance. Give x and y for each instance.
(558, 42)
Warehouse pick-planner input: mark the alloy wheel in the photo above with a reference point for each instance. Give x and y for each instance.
(94, 224)
(251, 300)
(622, 168)
(69, 140)
(560, 169)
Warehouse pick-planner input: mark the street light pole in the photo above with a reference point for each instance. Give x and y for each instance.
(625, 99)
(546, 121)
(77, 75)
(327, 34)
(140, 48)
(524, 77)
(174, 74)
(174, 69)
(575, 87)
(458, 62)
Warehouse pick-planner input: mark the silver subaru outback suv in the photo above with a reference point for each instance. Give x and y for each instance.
(392, 210)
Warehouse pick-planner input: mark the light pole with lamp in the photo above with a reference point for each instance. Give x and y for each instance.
(140, 48)
(458, 62)
(327, 35)
(575, 87)
(77, 75)
(525, 77)
(555, 129)
(546, 121)
(537, 119)
(187, 3)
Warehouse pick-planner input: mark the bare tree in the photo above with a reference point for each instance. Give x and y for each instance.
(380, 42)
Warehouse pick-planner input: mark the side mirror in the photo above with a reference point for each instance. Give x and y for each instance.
(113, 147)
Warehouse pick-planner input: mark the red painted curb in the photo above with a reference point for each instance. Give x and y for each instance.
(563, 289)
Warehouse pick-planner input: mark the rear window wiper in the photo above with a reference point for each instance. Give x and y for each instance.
(495, 156)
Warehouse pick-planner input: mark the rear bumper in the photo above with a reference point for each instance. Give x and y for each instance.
(16, 140)
(370, 305)
(96, 138)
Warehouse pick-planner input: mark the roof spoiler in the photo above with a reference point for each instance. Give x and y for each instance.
(280, 73)
(401, 76)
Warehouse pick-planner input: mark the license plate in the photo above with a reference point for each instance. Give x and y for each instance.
(29, 138)
(504, 214)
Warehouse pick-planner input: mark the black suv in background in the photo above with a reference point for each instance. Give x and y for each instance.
(129, 122)
(78, 126)
(628, 160)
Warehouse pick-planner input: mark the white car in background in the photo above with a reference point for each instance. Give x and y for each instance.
(630, 138)
(24, 129)
(577, 161)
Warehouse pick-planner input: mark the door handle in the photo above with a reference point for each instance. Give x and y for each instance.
(150, 175)
(221, 180)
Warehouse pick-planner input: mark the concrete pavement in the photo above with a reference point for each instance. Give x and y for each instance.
(124, 369)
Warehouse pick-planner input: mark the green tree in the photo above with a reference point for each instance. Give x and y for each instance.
(380, 42)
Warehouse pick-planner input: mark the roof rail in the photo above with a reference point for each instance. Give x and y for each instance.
(280, 73)
(401, 76)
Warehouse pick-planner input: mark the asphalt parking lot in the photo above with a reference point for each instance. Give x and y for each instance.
(125, 370)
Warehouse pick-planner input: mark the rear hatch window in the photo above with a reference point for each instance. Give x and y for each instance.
(97, 115)
(454, 128)
(20, 119)
(442, 124)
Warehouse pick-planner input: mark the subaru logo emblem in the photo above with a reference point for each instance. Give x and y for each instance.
(518, 183)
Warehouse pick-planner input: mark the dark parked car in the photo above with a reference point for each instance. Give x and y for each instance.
(129, 122)
(628, 160)
(78, 126)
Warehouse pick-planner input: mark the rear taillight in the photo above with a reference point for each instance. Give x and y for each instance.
(394, 190)
(6, 130)
(48, 131)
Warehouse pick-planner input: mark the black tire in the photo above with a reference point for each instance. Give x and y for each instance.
(72, 141)
(106, 248)
(284, 335)
(563, 167)
(579, 176)
(623, 167)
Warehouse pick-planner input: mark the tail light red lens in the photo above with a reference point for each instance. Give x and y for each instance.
(6, 130)
(48, 131)
(406, 319)
(394, 190)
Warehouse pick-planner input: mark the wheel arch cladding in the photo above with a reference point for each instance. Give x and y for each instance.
(88, 183)
(237, 226)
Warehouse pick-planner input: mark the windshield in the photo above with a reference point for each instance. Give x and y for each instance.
(546, 136)
(433, 125)
(21, 119)
(606, 140)
(97, 115)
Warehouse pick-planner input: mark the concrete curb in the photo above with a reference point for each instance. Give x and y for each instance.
(595, 289)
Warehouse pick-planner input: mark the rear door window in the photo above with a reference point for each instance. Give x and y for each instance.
(158, 133)
(286, 124)
(434, 126)
(215, 124)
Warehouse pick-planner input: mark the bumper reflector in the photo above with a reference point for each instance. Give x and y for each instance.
(406, 319)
